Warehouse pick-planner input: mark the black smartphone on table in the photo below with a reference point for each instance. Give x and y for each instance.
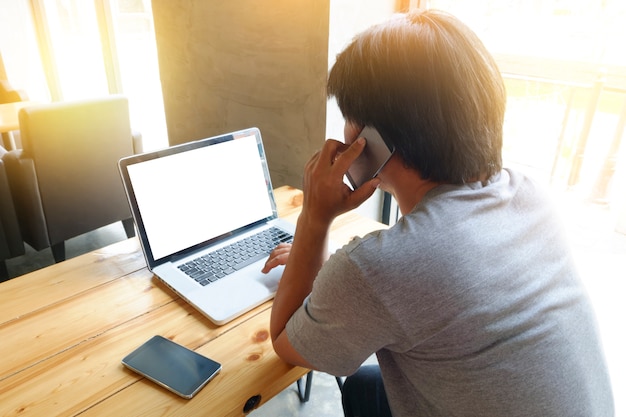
(373, 158)
(172, 366)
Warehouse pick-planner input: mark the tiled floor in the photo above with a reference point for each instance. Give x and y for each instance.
(600, 252)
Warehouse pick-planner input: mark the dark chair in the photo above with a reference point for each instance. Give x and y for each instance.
(11, 244)
(65, 181)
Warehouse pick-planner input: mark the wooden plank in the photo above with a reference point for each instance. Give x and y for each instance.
(63, 325)
(56, 283)
(249, 368)
(79, 377)
(288, 202)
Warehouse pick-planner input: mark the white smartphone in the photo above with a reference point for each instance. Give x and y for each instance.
(172, 366)
(373, 158)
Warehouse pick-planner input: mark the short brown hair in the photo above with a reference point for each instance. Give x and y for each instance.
(430, 87)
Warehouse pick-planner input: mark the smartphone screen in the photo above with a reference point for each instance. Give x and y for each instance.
(172, 366)
(372, 159)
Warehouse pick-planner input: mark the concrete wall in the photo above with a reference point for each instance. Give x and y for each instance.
(227, 65)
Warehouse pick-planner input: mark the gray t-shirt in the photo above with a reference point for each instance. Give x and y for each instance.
(471, 303)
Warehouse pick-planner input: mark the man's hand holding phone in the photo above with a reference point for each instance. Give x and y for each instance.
(326, 195)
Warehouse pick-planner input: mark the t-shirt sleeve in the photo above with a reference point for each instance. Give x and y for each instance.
(340, 324)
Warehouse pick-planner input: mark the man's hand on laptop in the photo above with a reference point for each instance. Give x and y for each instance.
(279, 256)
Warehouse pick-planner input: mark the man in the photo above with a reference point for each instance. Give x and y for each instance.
(471, 302)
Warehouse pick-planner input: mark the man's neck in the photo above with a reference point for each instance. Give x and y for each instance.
(405, 184)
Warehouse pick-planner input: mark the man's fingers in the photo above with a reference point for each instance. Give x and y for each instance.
(328, 154)
(365, 191)
(279, 256)
(349, 155)
(274, 262)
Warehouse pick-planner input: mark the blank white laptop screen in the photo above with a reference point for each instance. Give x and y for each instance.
(201, 192)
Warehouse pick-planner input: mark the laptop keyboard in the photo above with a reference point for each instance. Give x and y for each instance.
(215, 265)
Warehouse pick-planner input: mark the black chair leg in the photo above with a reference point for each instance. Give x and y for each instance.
(304, 396)
(129, 227)
(339, 383)
(58, 252)
(4, 271)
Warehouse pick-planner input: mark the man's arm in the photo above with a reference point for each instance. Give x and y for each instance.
(308, 253)
(325, 197)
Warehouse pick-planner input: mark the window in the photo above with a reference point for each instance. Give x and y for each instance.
(565, 74)
(72, 49)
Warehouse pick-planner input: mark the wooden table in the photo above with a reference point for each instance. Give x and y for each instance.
(9, 121)
(64, 330)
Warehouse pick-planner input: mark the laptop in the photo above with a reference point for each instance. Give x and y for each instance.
(194, 205)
